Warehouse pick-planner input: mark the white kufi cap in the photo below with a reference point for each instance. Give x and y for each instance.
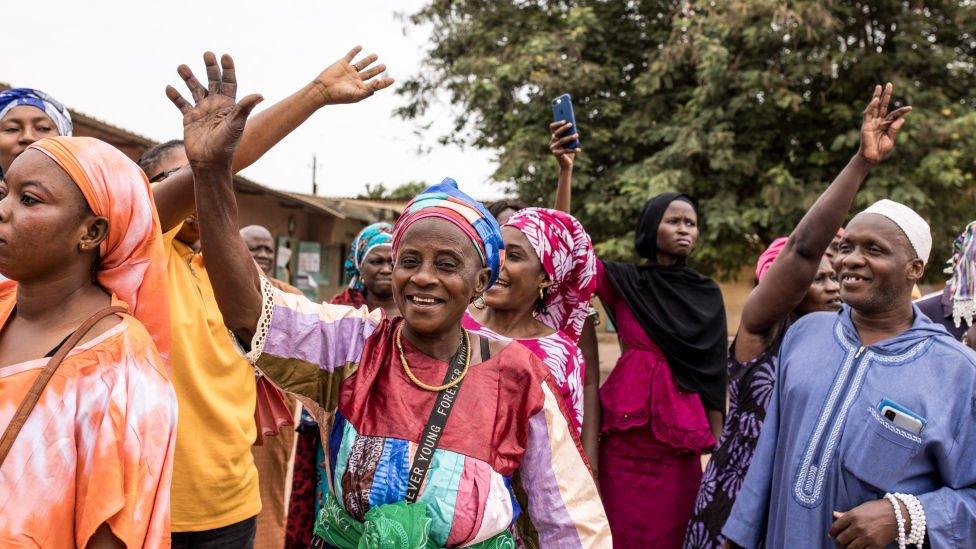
(910, 223)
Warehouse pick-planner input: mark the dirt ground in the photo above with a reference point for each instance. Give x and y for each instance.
(609, 353)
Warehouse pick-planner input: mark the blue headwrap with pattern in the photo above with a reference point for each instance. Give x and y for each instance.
(447, 202)
(373, 236)
(15, 97)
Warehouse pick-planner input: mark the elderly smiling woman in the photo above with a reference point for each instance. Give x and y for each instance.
(436, 420)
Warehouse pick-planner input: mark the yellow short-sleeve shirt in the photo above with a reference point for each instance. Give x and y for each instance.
(215, 482)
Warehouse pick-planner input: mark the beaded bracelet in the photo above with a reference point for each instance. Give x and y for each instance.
(917, 514)
(899, 519)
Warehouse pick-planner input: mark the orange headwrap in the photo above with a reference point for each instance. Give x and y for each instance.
(132, 258)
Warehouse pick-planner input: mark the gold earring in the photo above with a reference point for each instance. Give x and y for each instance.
(479, 303)
(542, 295)
(83, 246)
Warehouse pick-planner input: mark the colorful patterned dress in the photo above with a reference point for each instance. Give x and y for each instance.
(750, 389)
(561, 355)
(506, 419)
(309, 481)
(97, 448)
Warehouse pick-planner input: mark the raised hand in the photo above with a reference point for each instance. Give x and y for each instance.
(212, 127)
(879, 128)
(557, 145)
(346, 81)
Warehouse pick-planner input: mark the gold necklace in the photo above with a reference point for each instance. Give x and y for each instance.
(434, 388)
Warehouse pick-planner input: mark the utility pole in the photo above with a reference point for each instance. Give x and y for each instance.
(315, 184)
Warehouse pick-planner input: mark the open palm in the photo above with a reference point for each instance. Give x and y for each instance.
(879, 128)
(212, 127)
(348, 81)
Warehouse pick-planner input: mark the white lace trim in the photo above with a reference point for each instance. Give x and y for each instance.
(264, 324)
(808, 487)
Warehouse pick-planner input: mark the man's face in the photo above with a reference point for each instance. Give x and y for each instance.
(876, 265)
(171, 161)
(262, 250)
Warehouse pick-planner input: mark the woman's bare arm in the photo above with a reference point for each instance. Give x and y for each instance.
(565, 157)
(592, 417)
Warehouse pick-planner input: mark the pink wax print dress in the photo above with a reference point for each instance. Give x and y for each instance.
(565, 362)
(565, 251)
(653, 436)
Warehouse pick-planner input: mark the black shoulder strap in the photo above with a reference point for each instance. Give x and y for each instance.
(485, 351)
(431, 435)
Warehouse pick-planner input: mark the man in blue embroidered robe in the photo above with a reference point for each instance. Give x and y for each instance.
(828, 454)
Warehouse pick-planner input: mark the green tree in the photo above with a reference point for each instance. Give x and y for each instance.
(403, 192)
(376, 191)
(407, 191)
(752, 105)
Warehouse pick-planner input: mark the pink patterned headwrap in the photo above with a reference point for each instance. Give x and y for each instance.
(566, 254)
(769, 256)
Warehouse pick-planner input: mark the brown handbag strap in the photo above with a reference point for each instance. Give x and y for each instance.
(34, 393)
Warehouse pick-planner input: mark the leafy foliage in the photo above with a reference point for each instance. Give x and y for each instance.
(752, 105)
(404, 192)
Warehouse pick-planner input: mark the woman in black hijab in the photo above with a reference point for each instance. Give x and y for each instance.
(664, 400)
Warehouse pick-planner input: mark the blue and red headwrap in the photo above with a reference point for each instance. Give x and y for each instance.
(445, 201)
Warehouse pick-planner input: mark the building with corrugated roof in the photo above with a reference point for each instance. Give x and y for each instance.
(312, 232)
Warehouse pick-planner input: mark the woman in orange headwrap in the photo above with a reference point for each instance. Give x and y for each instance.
(92, 463)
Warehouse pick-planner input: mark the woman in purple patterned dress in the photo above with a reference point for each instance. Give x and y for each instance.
(794, 279)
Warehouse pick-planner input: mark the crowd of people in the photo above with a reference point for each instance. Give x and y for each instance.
(451, 395)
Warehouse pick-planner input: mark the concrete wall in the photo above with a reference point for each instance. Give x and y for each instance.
(332, 233)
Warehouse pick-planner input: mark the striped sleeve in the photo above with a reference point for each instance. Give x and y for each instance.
(298, 343)
(563, 502)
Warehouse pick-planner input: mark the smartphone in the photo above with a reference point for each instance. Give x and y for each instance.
(562, 109)
(901, 416)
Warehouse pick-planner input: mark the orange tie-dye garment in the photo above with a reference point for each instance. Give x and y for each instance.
(97, 448)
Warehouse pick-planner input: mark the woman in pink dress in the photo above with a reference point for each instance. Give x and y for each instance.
(671, 325)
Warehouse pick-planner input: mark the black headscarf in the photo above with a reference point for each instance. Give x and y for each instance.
(681, 310)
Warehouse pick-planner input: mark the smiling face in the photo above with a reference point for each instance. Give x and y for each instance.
(377, 272)
(521, 276)
(44, 220)
(437, 274)
(824, 293)
(678, 231)
(876, 265)
(20, 127)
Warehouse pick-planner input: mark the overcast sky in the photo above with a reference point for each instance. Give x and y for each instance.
(113, 59)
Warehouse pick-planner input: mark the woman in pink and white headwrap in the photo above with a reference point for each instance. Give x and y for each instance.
(542, 295)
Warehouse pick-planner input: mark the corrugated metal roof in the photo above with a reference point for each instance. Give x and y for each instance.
(82, 119)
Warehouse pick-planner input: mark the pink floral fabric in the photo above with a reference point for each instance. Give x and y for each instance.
(563, 358)
(566, 253)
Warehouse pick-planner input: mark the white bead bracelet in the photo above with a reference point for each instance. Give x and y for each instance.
(917, 514)
(899, 519)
